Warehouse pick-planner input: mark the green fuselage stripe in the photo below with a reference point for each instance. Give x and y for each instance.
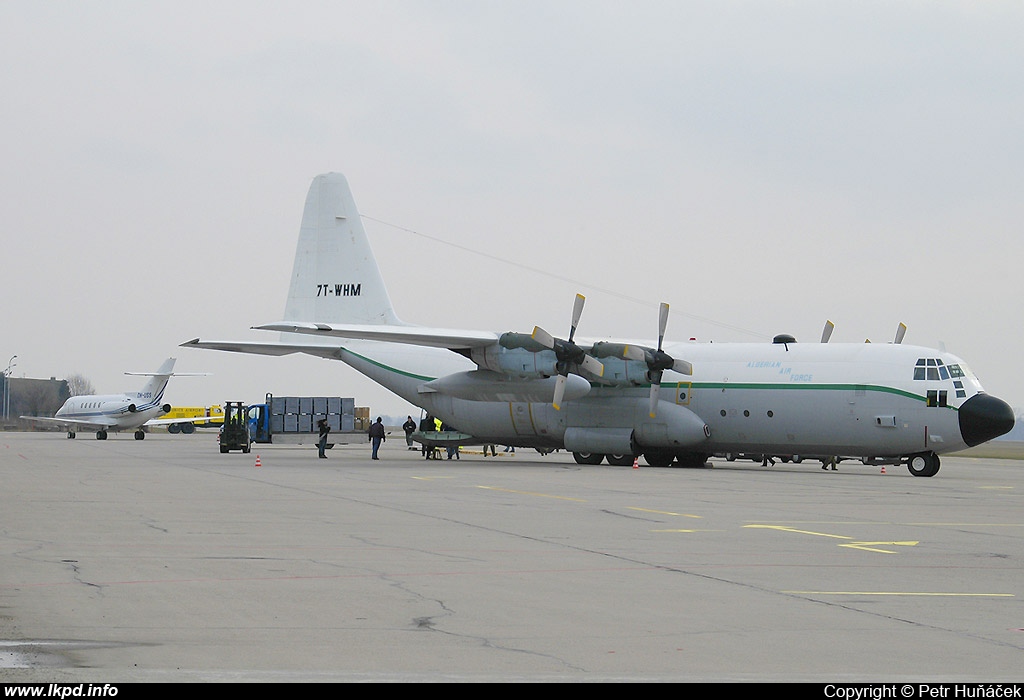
(705, 386)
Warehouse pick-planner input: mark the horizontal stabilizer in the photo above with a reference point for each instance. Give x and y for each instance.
(275, 349)
(409, 335)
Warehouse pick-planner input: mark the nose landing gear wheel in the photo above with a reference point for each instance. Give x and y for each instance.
(923, 464)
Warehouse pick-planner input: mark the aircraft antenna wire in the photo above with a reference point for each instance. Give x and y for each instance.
(561, 278)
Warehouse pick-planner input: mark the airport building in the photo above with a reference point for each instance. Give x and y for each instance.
(31, 397)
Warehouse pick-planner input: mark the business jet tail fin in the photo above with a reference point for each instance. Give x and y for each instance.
(158, 380)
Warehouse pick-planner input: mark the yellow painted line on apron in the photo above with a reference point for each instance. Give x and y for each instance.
(665, 512)
(801, 532)
(866, 546)
(873, 546)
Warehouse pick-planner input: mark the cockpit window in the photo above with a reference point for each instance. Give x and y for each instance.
(930, 368)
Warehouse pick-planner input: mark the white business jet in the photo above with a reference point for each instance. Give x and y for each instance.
(886, 403)
(115, 412)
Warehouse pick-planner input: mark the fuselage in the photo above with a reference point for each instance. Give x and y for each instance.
(116, 411)
(863, 400)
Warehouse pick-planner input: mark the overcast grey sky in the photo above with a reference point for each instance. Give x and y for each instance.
(761, 166)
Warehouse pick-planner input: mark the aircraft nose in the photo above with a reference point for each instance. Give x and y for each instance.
(983, 417)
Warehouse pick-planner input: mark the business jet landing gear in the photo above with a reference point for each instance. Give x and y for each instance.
(140, 435)
(923, 464)
(101, 434)
(71, 435)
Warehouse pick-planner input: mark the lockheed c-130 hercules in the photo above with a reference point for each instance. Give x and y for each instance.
(888, 403)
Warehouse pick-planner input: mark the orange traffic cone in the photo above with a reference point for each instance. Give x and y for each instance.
(883, 469)
(636, 462)
(258, 461)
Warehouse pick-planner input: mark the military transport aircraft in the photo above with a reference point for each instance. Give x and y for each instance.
(115, 412)
(669, 402)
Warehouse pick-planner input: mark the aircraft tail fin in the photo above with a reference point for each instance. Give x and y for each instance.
(335, 278)
(154, 389)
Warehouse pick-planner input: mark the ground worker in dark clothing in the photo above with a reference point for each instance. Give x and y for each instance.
(324, 432)
(427, 426)
(409, 427)
(377, 436)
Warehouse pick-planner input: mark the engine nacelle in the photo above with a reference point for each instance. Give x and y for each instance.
(620, 371)
(131, 408)
(675, 426)
(517, 361)
(486, 385)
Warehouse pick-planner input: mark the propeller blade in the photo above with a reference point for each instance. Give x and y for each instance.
(592, 365)
(559, 392)
(577, 311)
(655, 386)
(543, 337)
(683, 367)
(826, 333)
(662, 322)
(900, 332)
(634, 352)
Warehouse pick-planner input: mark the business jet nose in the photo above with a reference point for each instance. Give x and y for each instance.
(983, 417)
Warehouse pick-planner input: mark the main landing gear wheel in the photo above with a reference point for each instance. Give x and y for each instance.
(620, 460)
(923, 464)
(659, 458)
(689, 461)
(101, 434)
(589, 458)
(71, 435)
(140, 435)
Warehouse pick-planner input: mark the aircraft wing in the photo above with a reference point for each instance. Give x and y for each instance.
(102, 422)
(452, 339)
